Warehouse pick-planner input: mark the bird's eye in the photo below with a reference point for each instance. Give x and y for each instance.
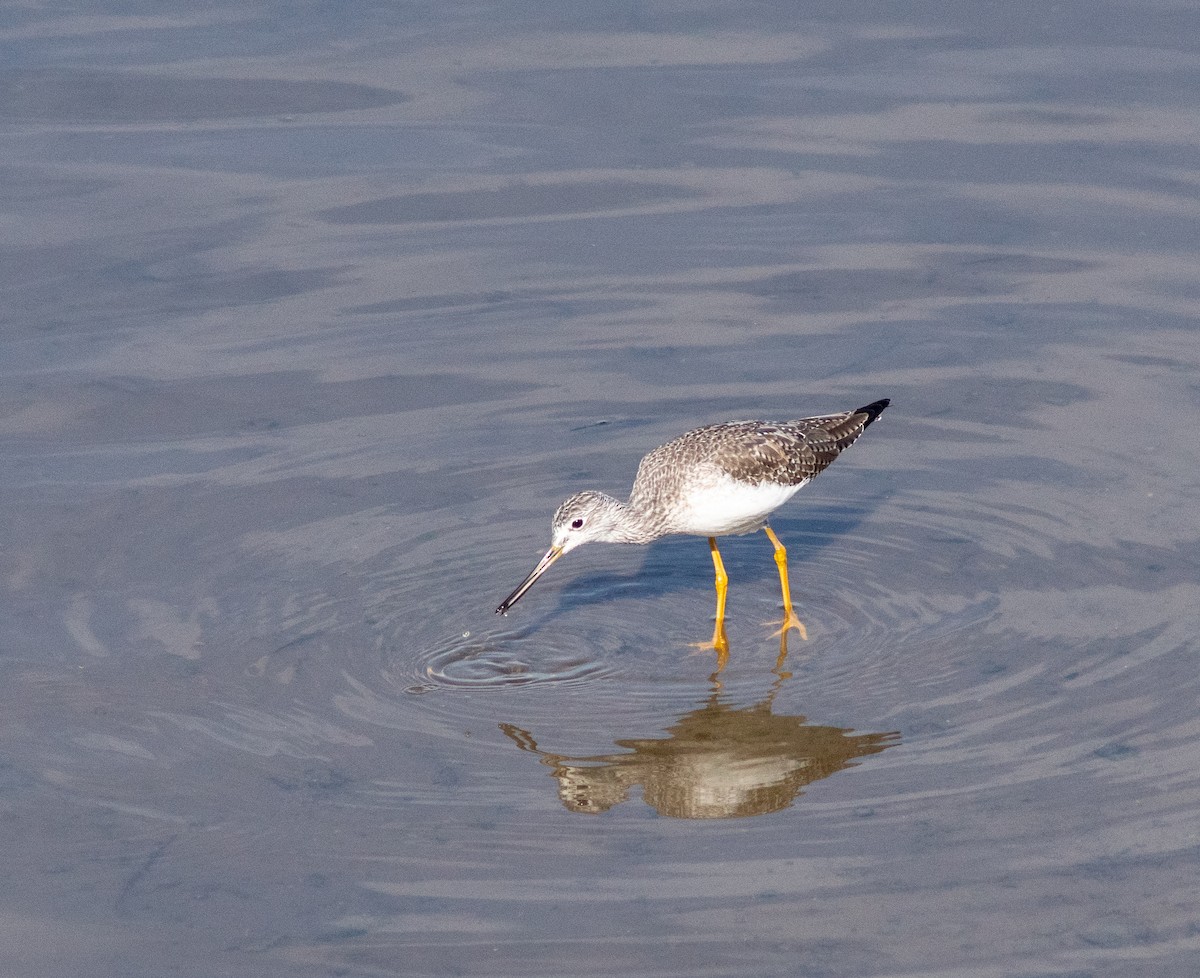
(577, 524)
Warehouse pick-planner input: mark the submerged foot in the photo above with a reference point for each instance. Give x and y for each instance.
(718, 642)
(790, 622)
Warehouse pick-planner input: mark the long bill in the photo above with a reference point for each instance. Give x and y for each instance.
(543, 565)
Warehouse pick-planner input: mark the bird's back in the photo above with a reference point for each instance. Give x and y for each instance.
(786, 453)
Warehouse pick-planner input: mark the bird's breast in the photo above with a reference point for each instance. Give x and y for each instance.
(720, 505)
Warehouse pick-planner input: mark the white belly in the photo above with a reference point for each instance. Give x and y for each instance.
(723, 505)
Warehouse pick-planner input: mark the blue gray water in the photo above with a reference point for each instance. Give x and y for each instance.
(313, 313)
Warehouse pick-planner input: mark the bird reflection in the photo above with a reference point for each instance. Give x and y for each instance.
(717, 761)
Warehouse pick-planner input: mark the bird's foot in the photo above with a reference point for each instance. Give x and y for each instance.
(790, 622)
(718, 642)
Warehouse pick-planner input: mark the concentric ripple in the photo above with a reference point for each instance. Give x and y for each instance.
(491, 661)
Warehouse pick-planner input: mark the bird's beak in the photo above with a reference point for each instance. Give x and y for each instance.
(543, 565)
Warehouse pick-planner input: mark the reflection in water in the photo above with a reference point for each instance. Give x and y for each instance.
(717, 761)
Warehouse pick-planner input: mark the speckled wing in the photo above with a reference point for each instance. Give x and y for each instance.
(823, 439)
(786, 453)
(783, 452)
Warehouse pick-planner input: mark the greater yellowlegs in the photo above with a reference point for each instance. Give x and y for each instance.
(713, 481)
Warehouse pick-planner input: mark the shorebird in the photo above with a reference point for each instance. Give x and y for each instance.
(713, 481)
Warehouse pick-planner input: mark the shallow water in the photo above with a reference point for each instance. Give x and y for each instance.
(312, 319)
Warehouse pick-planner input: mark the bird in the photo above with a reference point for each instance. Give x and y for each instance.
(718, 480)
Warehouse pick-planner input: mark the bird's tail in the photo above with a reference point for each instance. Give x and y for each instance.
(873, 410)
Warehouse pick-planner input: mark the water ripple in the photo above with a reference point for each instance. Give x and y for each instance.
(491, 661)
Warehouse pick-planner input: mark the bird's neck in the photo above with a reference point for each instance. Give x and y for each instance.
(637, 524)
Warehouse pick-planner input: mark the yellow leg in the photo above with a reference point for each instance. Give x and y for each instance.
(719, 641)
(722, 580)
(790, 620)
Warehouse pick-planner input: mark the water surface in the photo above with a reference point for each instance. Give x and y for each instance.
(312, 318)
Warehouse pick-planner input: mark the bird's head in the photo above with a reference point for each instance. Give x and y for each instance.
(582, 518)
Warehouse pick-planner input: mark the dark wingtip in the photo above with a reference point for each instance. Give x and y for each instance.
(873, 410)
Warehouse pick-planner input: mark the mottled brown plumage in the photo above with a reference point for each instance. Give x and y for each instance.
(786, 454)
